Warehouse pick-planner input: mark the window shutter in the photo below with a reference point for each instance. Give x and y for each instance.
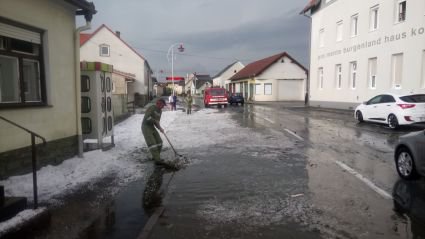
(19, 33)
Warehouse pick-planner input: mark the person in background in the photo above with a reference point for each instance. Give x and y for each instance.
(170, 101)
(174, 101)
(189, 101)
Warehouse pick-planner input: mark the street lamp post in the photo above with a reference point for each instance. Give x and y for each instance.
(171, 49)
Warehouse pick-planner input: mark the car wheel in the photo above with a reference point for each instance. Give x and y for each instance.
(405, 164)
(359, 116)
(392, 121)
(225, 106)
(206, 105)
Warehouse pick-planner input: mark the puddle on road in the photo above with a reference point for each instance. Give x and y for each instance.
(90, 216)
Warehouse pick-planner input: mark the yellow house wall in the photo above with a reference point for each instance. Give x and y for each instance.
(58, 119)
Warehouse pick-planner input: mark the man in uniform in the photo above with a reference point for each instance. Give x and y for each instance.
(150, 125)
(189, 101)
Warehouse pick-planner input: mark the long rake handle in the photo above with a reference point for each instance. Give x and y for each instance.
(175, 152)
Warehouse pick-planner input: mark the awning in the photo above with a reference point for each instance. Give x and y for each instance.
(174, 78)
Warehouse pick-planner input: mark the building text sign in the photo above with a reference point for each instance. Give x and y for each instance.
(414, 32)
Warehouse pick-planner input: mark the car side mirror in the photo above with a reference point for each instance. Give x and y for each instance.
(365, 103)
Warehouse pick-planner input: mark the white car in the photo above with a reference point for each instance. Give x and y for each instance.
(393, 109)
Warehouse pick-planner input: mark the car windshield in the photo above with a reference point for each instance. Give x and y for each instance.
(237, 94)
(216, 92)
(414, 98)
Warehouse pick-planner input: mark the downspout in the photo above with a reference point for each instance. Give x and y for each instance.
(307, 94)
(88, 17)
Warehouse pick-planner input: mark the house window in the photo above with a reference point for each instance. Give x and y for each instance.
(21, 73)
(372, 72)
(258, 89)
(400, 10)
(354, 25)
(397, 69)
(322, 37)
(374, 18)
(104, 50)
(339, 28)
(268, 89)
(338, 76)
(353, 74)
(423, 69)
(320, 77)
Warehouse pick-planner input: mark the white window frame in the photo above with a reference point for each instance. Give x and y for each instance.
(354, 25)
(320, 78)
(374, 18)
(102, 47)
(268, 91)
(339, 31)
(400, 11)
(25, 83)
(353, 74)
(258, 89)
(338, 76)
(372, 72)
(321, 37)
(397, 76)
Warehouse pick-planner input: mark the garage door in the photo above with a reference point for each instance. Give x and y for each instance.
(291, 90)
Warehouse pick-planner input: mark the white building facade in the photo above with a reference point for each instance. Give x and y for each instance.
(106, 46)
(276, 78)
(222, 78)
(363, 48)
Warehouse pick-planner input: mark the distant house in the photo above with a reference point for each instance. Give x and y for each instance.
(196, 84)
(104, 45)
(178, 86)
(222, 78)
(39, 81)
(276, 78)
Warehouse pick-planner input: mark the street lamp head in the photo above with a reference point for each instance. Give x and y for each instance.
(181, 48)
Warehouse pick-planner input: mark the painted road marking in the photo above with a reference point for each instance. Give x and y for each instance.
(294, 134)
(362, 178)
(369, 183)
(266, 119)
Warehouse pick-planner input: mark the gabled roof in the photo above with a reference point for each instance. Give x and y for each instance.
(85, 37)
(202, 79)
(257, 67)
(311, 4)
(225, 69)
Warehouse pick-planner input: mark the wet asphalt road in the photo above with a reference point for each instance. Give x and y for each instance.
(301, 173)
(316, 174)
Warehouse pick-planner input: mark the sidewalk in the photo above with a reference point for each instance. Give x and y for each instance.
(76, 193)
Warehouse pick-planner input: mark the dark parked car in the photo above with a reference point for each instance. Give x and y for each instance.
(410, 155)
(236, 98)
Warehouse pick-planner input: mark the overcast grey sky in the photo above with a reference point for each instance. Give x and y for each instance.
(215, 33)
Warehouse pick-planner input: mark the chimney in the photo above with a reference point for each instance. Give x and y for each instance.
(118, 33)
